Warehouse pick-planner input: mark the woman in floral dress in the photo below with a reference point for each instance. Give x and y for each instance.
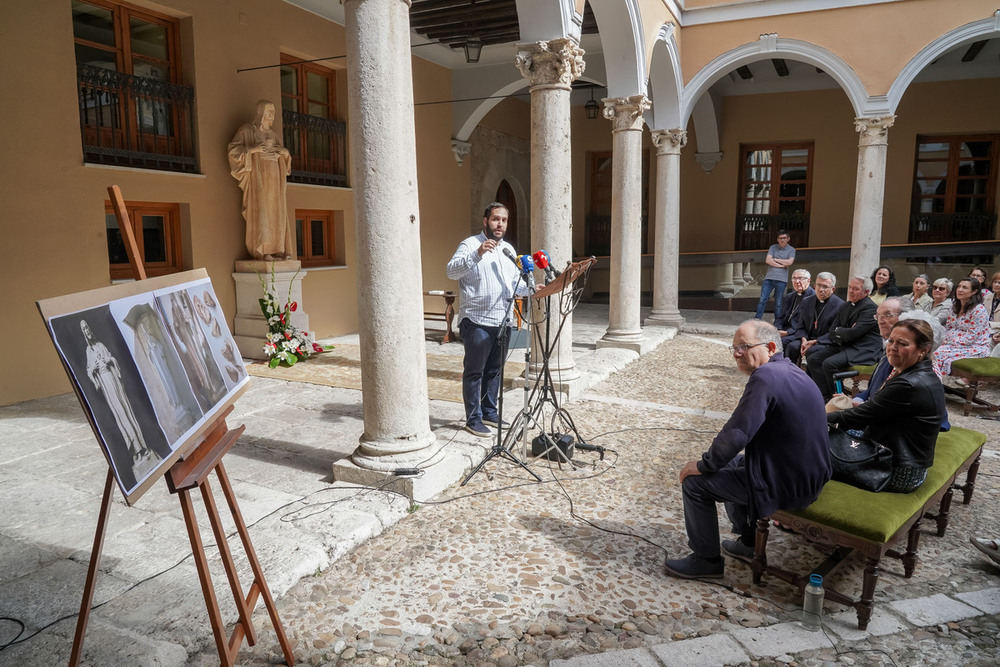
(967, 331)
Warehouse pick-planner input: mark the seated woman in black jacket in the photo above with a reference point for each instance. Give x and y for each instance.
(905, 415)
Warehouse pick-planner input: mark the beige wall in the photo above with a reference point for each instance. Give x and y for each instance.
(857, 35)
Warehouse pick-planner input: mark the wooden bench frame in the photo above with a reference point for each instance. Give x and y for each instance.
(846, 543)
(970, 394)
(447, 316)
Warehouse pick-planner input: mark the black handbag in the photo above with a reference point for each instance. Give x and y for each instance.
(859, 461)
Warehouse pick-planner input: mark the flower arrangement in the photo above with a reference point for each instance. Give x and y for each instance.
(285, 343)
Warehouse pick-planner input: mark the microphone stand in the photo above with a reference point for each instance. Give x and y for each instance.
(499, 449)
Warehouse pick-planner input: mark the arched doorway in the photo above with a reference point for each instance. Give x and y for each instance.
(505, 195)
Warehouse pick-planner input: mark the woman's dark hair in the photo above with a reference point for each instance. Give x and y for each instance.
(996, 277)
(974, 300)
(978, 268)
(885, 288)
(922, 332)
(492, 206)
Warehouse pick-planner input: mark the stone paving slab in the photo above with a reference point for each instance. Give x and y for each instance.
(779, 639)
(986, 600)
(709, 651)
(844, 624)
(637, 657)
(933, 610)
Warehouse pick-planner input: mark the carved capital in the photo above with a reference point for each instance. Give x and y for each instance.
(669, 142)
(460, 149)
(874, 131)
(708, 161)
(554, 64)
(625, 113)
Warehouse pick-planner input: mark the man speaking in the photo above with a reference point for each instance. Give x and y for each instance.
(488, 281)
(780, 427)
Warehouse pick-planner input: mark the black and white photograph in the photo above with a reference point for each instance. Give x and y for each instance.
(192, 345)
(102, 367)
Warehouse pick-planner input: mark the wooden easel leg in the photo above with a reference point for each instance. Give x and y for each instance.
(95, 561)
(231, 574)
(260, 583)
(205, 577)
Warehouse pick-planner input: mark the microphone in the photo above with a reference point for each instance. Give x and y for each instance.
(527, 270)
(544, 262)
(524, 265)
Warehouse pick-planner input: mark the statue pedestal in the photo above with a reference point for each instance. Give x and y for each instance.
(249, 326)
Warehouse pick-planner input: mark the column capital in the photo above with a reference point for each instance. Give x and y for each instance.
(625, 113)
(553, 64)
(874, 130)
(669, 142)
(460, 149)
(708, 161)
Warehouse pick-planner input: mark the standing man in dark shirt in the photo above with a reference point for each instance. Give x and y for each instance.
(780, 426)
(853, 340)
(816, 315)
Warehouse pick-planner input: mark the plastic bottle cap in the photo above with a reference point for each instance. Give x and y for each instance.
(816, 579)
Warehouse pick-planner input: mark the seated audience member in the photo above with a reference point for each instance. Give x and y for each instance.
(919, 298)
(853, 339)
(883, 284)
(979, 273)
(816, 315)
(887, 315)
(967, 331)
(992, 304)
(793, 301)
(940, 305)
(905, 415)
(780, 427)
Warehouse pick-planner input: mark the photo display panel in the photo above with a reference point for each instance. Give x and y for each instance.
(152, 369)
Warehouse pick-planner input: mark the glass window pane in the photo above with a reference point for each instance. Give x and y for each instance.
(289, 81)
(317, 238)
(94, 24)
(977, 148)
(794, 173)
(89, 55)
(932, 150)
(299, 252)
(150, 70)
(116, 245)
(759, 174)
(759, 157)
(319, 110)
(792, 206)
(792, 190)
(289, 104)
(794, 156)
(154, 240)
(149, 39)
(932, 186)
(318, 88)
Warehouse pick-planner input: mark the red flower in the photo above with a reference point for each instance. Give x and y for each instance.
(293, 306)
(317, 348)
(288, 336)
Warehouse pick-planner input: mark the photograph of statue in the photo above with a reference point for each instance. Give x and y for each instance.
(193, 347)
(220, 340)
(110, 383)
(176, 406)
(260, 164)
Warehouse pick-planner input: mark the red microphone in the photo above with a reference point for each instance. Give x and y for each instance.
(541, 259)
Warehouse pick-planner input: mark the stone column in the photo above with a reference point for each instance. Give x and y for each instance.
(724, 285)
(869, 193)
(550, 68)
(666, 264)
(390, 294)
(624, 326)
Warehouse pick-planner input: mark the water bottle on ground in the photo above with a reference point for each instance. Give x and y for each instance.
(812, 603)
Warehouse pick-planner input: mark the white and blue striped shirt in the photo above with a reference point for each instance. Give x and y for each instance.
(485, 283)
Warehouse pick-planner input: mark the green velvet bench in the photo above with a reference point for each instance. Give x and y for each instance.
(864, 375)
(979, 373)
(850, 519)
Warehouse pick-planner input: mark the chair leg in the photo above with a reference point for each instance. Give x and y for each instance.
(970, 482)
(867, 603)
(909, 558)
(759, 563)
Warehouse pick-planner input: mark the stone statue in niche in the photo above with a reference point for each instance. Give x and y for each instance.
(260, 164)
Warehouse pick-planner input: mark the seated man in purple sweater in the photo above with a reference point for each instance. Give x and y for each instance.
(780, 427)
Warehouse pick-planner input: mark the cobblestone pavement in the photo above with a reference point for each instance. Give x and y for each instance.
(506, 571)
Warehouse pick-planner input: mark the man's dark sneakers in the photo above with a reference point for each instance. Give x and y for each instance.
(694, 566)
(492, 421)
(478, 429)
(738, 550)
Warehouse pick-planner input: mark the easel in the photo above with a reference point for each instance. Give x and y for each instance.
(189, 473)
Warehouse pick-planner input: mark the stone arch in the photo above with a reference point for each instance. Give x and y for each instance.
(966, 34)
(772, 46)
(466, 115)
(665, 82)
(624, 46)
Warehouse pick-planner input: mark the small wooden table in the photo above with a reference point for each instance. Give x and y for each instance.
(447, 316)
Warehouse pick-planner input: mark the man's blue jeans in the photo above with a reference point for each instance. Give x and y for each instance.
(766, 288)
(484, 355)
